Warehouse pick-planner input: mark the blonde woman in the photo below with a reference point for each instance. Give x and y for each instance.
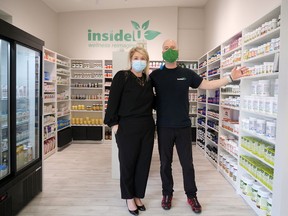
(129, 113)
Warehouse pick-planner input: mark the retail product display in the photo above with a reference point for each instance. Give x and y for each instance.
(246, 132)
(208, 105)
(193, 65)
(63, 93)
(87, 105)
(56, 103)
(49, 103)
(108, 75)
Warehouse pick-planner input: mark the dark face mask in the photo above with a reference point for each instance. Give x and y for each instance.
(170, 55)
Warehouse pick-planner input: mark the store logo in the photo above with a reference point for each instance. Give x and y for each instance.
(139, 33)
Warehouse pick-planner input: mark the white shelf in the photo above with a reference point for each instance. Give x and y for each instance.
(212, 117)
(230, 107)
(230, 52)
(260, 114)
(230, 94)
(201, 115)
(253, 205)
(88, 111)
(265, 37)
(262, 137)
(231, 132)
(232, 66)
(256, 156)
(245, 83)
(228, 178)
(263, 58)
(212, 129)
(87, 69)
(85, 88)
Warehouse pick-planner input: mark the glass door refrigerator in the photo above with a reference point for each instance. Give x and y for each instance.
(20, 118)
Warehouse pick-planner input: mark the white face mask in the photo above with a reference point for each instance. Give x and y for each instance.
(139, 65)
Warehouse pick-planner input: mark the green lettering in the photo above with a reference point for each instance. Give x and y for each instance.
(96, 37)
(111, 36)
(105, 36)
(119, 36)
(127, 37)
(89, 34)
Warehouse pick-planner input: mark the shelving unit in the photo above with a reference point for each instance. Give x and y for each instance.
(201, 106)
(193, 65)
(108, 76)
(63, 101)
(49, 103)
(247, 112)
(259, 101)
(87, 102)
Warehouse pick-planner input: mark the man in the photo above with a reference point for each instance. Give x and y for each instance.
(171, 85)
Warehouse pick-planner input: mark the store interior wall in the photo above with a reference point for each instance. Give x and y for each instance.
(74, 39)
(34, 17)
(198, 30)
(182, 24)
(224, 18)
(190, 33)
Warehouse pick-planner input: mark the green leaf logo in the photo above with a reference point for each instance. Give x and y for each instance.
(145, 25)
(135, 25)
(149, 34)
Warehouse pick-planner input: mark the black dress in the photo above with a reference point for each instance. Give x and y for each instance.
(130, 106)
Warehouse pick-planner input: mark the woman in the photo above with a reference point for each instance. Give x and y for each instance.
(129, 113)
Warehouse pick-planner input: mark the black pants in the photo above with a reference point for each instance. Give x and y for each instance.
(181, 137)
(135, 140)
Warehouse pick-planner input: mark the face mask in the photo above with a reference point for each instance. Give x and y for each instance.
(170, 55)
(139, 65)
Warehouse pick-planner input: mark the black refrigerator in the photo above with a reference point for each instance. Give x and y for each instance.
(20, 118)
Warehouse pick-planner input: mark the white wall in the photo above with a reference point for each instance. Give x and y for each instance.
(224, 18)
(34, 17)
(73, 30)
(190, 33)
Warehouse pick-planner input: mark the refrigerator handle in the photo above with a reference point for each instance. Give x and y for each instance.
(3, 197)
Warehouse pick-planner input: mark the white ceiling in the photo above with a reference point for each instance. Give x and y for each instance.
(81, 5)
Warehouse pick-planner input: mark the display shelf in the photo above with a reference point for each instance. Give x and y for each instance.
(88, 77)
(228, 178)
(260, 47)
(49, 100)
(211, 160)
(229, 131)
(260, 53)
(252, 204)
(256, 156)
(63, 95)
(228, 151)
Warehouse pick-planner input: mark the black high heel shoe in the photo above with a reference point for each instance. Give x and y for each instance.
(141, 208)
(133, 212)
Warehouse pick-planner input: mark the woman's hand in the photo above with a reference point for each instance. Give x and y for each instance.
(238, 72)
(115, 129)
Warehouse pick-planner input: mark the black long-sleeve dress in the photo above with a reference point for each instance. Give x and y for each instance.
(130, 106)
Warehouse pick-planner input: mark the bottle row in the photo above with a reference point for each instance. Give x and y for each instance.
(87, 121)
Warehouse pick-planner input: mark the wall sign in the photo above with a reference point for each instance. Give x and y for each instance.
(121, 38)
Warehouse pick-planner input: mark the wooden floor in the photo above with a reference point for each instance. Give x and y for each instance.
(77, 182)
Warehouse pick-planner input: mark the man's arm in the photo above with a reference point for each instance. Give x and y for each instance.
(236, 73)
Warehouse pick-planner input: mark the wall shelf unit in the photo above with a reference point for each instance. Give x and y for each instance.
(87, 105)
(245, 148)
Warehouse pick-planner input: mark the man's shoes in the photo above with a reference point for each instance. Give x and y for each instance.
(166, 202)
(195, 205)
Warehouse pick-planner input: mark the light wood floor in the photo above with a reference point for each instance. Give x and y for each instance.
(77, 182)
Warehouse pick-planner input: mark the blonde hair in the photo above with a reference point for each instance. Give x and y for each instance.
(143, 52)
